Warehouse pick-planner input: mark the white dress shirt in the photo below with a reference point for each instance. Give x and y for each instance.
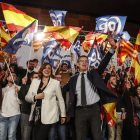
(10, 103)
(91, 92)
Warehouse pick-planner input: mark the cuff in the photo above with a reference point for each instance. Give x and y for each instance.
(34, 99)
(111, 50)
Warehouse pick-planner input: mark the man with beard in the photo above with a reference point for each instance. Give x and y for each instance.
(10, 109)
(23, 72)
(115, 132)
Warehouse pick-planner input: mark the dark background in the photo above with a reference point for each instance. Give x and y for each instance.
(83, 12)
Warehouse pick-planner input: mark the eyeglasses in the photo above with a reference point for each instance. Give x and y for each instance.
(82, 61)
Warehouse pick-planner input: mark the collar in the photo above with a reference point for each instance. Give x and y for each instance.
(9, 87)
(31, 71)
(83, 72)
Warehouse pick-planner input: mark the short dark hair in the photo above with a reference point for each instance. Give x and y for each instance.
(32, 75)
(127, 68)
(112, 76)
(29, 61)
(81, 57)
(63, 64)
(35, 60)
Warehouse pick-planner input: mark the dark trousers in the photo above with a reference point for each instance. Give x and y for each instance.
(43, 131)
(85, 115)
(26, 126)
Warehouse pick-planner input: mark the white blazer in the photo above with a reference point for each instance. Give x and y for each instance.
(50, 108)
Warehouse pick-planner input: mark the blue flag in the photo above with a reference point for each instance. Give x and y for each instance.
(76, 48)
(58, 17)
(18, 39)
(110, 23)
(28, 40)
(50, 48)
(94, 57)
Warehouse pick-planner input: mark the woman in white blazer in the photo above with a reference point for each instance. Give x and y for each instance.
(47, 102)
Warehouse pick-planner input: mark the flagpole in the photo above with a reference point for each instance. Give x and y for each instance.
(28, 60)
(30, 52)
(9, 70)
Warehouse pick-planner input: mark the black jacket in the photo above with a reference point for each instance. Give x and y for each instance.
(25, 107)
(106, 95)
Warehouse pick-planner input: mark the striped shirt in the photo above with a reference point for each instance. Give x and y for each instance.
(91, 91)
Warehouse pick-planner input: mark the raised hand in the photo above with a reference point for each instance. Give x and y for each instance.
(24, 80)
(111, 40)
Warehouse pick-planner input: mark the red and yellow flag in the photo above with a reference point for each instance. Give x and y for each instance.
(135, 68)
(109, 110)
(127, 49)
(16, 20)
(89, 40)
(4, 36)
(137, 44)
(64, 34)
(37, 44)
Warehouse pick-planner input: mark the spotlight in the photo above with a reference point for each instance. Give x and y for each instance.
(39, 35)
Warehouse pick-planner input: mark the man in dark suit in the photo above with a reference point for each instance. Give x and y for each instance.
(86, 90)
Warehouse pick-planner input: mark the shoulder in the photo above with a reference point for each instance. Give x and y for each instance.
(136, 98)
(35, 80)
(74, 76)
(54, 81)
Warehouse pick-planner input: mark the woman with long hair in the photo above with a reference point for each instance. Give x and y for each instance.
(47, 101)
(131, 122)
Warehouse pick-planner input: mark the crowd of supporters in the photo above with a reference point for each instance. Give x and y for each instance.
(34, 106)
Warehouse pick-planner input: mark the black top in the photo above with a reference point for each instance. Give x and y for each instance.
(25, 106)
(39, 101)
(120, 104)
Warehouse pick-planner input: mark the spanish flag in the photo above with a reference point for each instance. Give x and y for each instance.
(135, 68)
(16, 20)
(4, 36)
(89, 40)
(137, 44)
(109, 110)
(64, 34)
(37, 44)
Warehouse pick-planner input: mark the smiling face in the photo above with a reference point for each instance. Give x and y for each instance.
(83, 64)
(47, 71)
(64, 67)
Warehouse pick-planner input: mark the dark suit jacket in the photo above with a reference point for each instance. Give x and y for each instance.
(106, 95)
(22, 73)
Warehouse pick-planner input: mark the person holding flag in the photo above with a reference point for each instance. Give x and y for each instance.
(87, 89)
